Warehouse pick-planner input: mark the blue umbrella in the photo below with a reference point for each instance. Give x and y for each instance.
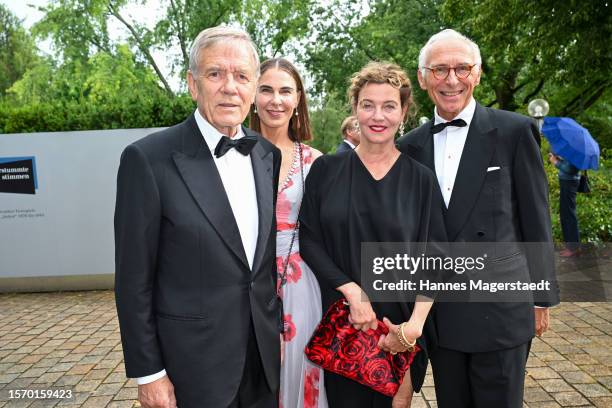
(572, 142)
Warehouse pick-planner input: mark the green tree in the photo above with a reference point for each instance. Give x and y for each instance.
(531, 47)
(17, 49)
(110, 90)
(346, 35)
(79, 28)
(326, 121)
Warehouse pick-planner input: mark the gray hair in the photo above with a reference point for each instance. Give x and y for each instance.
(215, 35)
(448, 34)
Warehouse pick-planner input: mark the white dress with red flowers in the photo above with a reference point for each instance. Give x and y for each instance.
(301, 381)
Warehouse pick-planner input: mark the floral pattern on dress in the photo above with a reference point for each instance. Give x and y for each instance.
(288, 328)
(311, 387)
(294, 270)
(283, 211)
(302, 383)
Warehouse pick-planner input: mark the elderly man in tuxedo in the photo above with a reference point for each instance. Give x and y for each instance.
(195, 244)
(492, 179)
(350, 133)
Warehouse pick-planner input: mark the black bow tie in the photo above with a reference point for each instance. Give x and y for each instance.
(244, 145)
(441, 126)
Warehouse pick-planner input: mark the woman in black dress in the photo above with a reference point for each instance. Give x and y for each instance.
(371, 194)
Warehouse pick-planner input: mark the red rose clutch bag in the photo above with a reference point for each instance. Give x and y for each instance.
(338, 347)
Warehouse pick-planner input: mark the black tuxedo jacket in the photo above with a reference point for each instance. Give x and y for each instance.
(343, 147)
(505, 205)
(185, 294)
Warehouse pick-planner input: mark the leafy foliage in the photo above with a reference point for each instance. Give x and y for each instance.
(326, 122)
(17, 50)
(556, 50)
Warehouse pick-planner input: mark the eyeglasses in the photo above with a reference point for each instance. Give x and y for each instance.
(442, 71)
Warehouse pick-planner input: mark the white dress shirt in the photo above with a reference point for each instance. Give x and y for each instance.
(448, 147)
(236, 173)
(348, 142)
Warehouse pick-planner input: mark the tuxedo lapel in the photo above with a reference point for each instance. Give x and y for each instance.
(197, 168)
(421, 147)
(479, 147)
(262, 161)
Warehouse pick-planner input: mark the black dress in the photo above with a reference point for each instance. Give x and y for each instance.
(345, 206)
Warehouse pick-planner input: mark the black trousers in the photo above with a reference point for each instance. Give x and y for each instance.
(480, 380)
(345, 393)
(254, 391)
(567, 213)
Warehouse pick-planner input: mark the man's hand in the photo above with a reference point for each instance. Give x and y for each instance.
(542, 320)
(157, 394)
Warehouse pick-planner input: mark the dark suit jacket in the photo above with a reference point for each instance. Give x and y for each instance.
(343, 147)
(185, 294)
(506, 205)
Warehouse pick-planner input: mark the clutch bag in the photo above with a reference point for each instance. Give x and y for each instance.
(338, 347)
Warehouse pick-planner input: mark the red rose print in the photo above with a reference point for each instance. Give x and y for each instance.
(346, 368)
(377, 372)
(353, 350)
(283, 209)
(311, 387)
(289, 328)
(338, 347)
(307, 155)
(370, 342)
(319, 355)
(294, 270)
(324, 336)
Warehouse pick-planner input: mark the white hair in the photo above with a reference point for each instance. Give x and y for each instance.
(214, 35)
(448, 34)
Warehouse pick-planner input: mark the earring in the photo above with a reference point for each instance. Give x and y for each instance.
(254, 108)
(296, 112)
(401, 129)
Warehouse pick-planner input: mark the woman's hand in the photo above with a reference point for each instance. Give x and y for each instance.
(361, 316)
(391, 343)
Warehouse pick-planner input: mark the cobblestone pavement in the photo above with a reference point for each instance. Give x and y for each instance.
(70, 341)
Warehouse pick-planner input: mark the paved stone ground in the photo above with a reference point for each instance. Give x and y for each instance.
(71, 341)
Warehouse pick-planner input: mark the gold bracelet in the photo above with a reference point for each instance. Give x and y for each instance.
(402, 338)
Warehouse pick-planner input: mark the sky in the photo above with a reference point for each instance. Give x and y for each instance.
(23, 11)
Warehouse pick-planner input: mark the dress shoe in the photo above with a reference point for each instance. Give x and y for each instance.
(568, 253)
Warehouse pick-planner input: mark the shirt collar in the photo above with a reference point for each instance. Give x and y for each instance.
(467, 114)
(210, 134)
(348, 142)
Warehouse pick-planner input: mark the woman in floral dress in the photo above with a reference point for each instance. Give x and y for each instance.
(280, 114)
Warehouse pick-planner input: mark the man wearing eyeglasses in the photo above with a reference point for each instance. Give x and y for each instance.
(195, 244)
(492, 179)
